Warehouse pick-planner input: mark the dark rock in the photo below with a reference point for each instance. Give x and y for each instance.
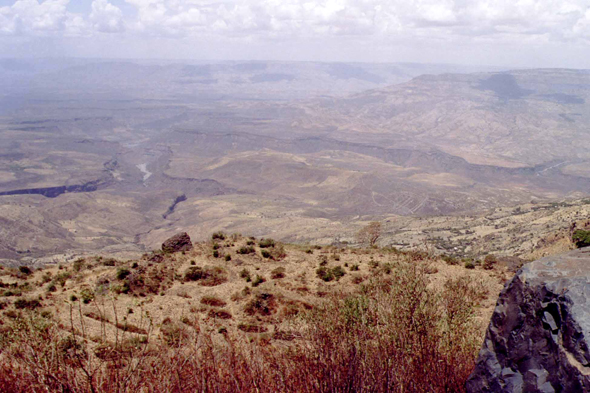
(179, 242)
(538, 338)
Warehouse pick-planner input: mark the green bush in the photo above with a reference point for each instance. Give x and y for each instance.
(328, 274)
(338, 272)
(227, 257)
(265, 254)
(469, 265)
(581, 238)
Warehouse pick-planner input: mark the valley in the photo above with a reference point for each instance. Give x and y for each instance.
(112, 158)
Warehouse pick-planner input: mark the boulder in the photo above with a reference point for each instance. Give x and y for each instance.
(179, 242)
(538, 337)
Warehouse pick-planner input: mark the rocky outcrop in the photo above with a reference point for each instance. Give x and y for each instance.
(179, 242)
(538, 338)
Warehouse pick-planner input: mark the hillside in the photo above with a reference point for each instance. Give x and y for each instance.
(255, 295)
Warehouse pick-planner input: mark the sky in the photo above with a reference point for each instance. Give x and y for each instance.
(520, 33)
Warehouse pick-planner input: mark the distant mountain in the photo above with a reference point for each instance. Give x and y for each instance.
(512, 119)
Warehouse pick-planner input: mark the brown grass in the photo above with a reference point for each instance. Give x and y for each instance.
(395, 334)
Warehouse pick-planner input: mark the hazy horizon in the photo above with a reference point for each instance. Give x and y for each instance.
(542, 34)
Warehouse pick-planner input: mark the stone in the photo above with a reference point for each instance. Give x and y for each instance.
(539, 336)
(179, 242)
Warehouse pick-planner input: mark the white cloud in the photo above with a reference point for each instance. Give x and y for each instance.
(31, 17)
(369, 23)
(105, 17)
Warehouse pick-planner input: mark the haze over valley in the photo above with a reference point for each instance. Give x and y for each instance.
(115, 156)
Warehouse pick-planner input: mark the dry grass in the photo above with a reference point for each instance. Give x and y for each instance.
(393, 324)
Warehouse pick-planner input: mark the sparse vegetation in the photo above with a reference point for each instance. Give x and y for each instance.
(393, 328)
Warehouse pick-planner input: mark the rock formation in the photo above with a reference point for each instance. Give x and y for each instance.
(179, 242)
(538, 338)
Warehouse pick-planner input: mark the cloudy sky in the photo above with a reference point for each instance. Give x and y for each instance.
(541, 33)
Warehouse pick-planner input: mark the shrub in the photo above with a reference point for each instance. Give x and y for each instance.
(109, 262)
(122, 273)
(469, 265)
(173, 333)
(266, 243)
(265, 253)
(79, 264)
(246, 250)
(328, 274)
(30, 304)
(338, 272)
(209, 276)
(258, 280)
(193, 274)
(213, 301)
(86, 295)
(489, 262)
(325, 274)
(263, 304)
(581, 238)
(278, 252)
(216, 254)
(277, 273)
(450, 260)
(60, 279)
(221, 314)
(25, 270)
(227, 257)
(218, 236)
(245, 274)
